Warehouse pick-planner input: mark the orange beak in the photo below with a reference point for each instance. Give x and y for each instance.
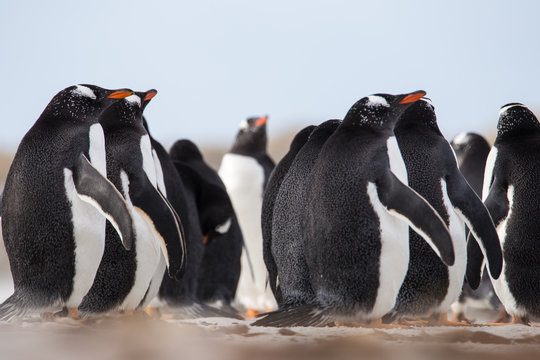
(413, 97)
(150, 96)
(205, 239)
(120, 94)
(261, 121)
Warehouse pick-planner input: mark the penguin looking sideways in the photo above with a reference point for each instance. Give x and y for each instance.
(245, 170)
(511, 193)
(56, 200)
(269, 199)
(355, 238)
(431, 286)
(123, 278)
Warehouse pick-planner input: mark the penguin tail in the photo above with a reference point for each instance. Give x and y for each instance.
(199, 310)
(300, 315)
(390, 317)
(13, 306)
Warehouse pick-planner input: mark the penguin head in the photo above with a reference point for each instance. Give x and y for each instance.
(213, 203)
(380, 111)
(123, 113)
(300, 138)
(419, 113)
(251, 138)
(84, 102)
(468, 143)
(516, 119)
(147, 96)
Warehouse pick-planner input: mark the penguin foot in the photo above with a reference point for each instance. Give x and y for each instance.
(378, 323)
(153, 312)
(73, 313)
(442, 320)
(516, 320)
(503, 317)
(460, 317)
(251, 313)
(414, 322)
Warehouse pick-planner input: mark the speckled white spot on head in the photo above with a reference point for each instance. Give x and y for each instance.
(505, 109)
(134, 99)
(427, 100)
(461, 138)
(244, 125)
(375, 100)
(84, 91)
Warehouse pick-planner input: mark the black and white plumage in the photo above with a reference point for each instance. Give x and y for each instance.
(510, 193)
(430, 286)
(123, 278)
(472, 151)
(55, 199)
(356, 242)
(245, 170)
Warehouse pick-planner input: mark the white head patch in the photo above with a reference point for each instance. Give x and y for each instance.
(375, 100)
(84, 91)
(134, 99)
(244, 125)
(505, 109)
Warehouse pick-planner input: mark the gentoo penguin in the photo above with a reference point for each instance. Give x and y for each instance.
(171, 186)
(245, 170)
(287, 229)
(472, 151)
(511, 193)
(355, 219)
(216, 265)
(55, 199)
(269, 198)
(430, 286)
(123, 278)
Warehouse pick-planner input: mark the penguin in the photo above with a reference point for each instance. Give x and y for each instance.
(56, 200)
(215, 277)
(510, 192)
(123, 278)
(245, 170)
(269, 198)
(472, 151)
(171, 186)
(287, 230)
(431, 286)
(355, 219)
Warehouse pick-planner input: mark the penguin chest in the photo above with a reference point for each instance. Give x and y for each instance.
(397, 165)
(147, 250)
(394, 256)
(500, 285)
(456, 272)
(88, 223)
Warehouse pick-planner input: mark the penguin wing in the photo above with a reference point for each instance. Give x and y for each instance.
(95, 189)
(498, 206)
(402, 201)
(472, 211)
(156, 209)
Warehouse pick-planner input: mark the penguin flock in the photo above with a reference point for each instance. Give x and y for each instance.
(373, 220)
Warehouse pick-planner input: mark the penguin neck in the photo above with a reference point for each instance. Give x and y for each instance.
(417, 126)
(249, 148)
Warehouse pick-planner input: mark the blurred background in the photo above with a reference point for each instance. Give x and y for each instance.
(301, 62)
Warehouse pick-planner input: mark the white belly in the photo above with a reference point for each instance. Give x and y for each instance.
(88, 223)
(456, 272)
(244, 179)
(394, 258)
(501, 285)
(148, 252)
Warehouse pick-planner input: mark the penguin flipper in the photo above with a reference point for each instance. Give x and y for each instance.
(498, 206)
(156, 209)
(95, 189)
(403, 202)
(473, 212)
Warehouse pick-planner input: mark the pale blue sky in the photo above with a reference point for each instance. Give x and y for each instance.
(216, 62)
